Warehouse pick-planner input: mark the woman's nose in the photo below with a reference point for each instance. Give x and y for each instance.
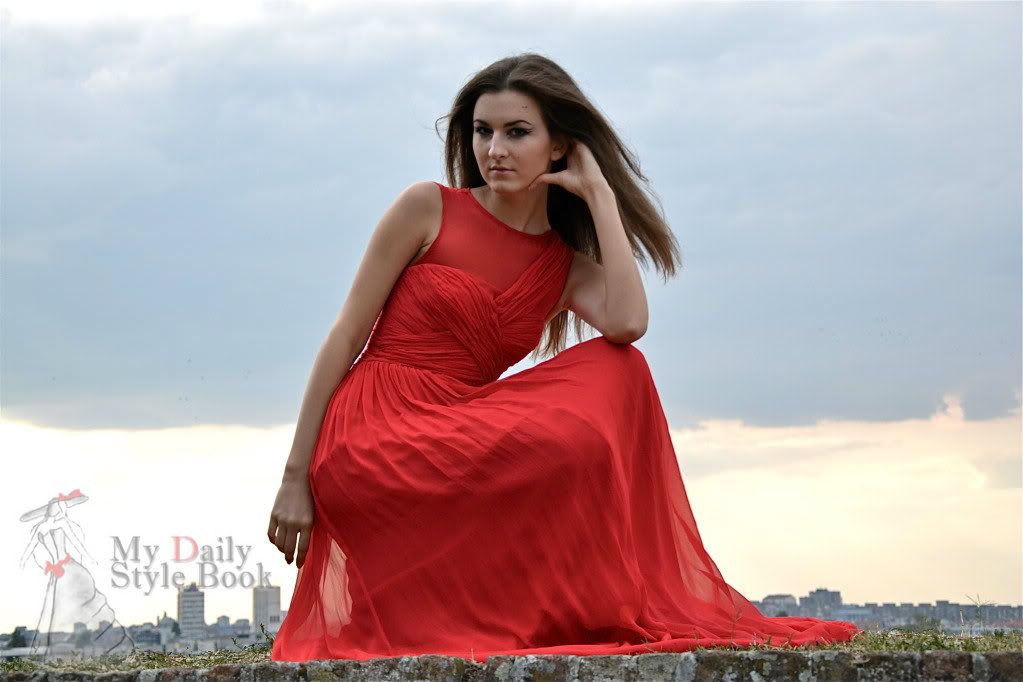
(497, 148)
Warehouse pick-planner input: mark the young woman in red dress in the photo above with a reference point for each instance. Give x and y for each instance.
(433, 505)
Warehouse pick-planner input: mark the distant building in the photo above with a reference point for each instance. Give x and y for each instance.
(145, 636)
(820, 603)
(223, 627)
(192, 612)
(266, 609)
(779, 605)
(242, 628)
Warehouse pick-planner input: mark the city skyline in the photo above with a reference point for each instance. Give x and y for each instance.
(193, 626)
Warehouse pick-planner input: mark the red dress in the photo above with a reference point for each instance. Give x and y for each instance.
(462, 513)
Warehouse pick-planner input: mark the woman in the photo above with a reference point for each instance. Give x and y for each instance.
(433, 506)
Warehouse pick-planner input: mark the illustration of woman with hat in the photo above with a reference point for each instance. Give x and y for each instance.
(71, 594)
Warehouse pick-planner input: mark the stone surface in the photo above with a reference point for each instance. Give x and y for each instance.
(699, 666)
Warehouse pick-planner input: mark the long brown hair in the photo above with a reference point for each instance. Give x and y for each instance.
(567, 112)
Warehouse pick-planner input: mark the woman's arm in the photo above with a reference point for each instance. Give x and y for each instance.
(625, 304)
(394, 243)
(397, 238)
(333, 361)
(608, 296)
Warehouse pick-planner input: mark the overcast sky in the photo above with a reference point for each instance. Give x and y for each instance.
(186, 195)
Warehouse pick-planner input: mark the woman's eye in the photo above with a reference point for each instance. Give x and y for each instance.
(486, 131)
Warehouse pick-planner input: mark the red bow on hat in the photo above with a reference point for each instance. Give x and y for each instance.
(74, 493)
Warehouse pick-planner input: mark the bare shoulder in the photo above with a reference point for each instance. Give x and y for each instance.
(423, 204)
(397, 237)
(422, 201)
(423, 194)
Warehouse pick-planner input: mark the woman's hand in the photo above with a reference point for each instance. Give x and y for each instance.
(582, 177)
(292, 515)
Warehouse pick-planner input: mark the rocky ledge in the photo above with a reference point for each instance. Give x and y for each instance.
(731, 666)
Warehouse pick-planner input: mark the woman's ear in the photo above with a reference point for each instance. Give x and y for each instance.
(562, 145)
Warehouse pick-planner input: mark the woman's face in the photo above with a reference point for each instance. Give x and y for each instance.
(508, 131)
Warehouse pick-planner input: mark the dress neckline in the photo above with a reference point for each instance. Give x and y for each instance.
(487, 213)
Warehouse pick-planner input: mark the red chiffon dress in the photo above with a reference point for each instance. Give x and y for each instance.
(463, 513)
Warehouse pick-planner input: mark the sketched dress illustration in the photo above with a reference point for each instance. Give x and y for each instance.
(71, 594)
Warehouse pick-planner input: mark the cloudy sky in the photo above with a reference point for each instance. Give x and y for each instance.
(186, 194)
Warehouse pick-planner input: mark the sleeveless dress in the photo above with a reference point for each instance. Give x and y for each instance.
(462, 513)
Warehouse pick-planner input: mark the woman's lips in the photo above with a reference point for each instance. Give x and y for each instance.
(501, 170)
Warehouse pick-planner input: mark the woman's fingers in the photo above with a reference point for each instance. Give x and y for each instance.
(291, 519)
(289, 545)
(303, 545)
(282, 537)
(282, 541)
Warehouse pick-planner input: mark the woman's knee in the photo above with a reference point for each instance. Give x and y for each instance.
(625, 352)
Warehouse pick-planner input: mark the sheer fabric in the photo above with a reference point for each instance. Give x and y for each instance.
(463, 513)
(475, 241)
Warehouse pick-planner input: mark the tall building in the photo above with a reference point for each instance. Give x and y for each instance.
(192, 612)
(820, 603)
(266, 609)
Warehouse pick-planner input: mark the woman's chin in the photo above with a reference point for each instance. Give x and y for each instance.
(505, 186)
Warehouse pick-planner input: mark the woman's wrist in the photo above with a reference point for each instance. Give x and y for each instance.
(295, 471)
(598, 192)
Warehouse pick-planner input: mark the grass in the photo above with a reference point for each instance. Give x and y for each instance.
(884, 641)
